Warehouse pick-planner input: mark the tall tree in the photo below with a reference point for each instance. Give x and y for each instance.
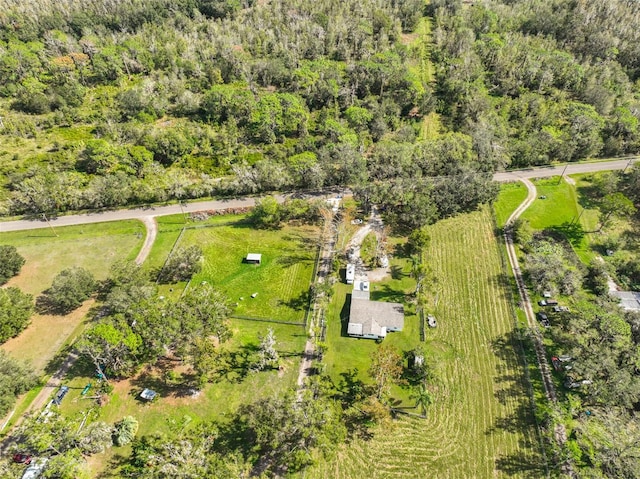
(10, 262)
(16, 309)
(386, 368)
(69, 289)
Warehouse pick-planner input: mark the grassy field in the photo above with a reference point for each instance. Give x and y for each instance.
(480, 425)
(94, 247)
(509, 198)
(560, 205)
(281, 281)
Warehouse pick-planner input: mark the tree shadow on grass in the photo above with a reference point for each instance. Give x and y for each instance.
(573, 232)
(397, 273)
(386, 293)
(240, 362)
(503, 283)
(299, 303)
(293, 259)
(521, 464)
(113, 464)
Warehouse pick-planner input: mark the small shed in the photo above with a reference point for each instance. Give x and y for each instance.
(148, 394)
(253, 258)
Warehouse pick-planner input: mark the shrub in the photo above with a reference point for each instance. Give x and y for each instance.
(124, 431)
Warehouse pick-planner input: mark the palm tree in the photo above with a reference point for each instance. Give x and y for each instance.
(423, 398)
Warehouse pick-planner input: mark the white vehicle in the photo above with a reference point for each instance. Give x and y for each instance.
(35, 469)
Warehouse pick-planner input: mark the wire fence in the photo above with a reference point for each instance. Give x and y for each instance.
(267, 320)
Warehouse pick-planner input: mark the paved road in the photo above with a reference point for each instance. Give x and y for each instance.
(547, 171)
(153, 211)
(127, 214)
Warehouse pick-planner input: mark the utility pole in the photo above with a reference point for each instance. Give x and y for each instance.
(625, 168)
(44, 217)
(563, 172)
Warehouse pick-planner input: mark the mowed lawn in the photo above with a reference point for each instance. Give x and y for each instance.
(481, 423)
(510, 197)
(280, 283)
(561, 195)
(94, 247)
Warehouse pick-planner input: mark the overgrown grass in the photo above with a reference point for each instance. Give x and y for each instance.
(510, 197)
(481, 423)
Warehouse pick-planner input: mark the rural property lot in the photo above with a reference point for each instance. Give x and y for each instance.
(94, 247)
(281, 282)
(480, 424)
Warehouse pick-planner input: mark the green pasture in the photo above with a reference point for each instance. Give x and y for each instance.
(481, 423)
(280, 283)
(94, 247)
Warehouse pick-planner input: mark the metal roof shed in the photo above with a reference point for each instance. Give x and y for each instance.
(254, 258)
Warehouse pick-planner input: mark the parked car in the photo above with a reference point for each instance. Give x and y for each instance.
(62, 392)
(561, 309)
(22, 458)
(542, 316)
(548, 302)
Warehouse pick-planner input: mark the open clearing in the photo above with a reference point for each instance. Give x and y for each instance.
(94, 247)
(481, 423)
(281, 281)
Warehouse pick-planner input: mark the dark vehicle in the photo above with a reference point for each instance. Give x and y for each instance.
(22, 458)
(61, 394)
(545, 323)
(542, 316)
(548, 302)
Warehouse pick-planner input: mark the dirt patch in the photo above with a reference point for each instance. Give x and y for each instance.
(44, 337)
(378, 274)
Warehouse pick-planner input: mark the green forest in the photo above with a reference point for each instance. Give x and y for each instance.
(411, 104)
(105, 104)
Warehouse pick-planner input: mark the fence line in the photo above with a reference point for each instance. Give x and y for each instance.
(175, 244)
(266, 320)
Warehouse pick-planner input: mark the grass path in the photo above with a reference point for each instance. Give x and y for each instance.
(480, 425)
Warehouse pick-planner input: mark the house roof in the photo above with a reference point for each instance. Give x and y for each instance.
(629, 300)
(254, 257)
(360, 290)
(374, 317)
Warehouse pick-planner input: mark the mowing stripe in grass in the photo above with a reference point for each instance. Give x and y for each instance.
(481, 423)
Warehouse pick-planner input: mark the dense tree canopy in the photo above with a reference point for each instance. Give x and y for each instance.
(16, 309)
(10, 262)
